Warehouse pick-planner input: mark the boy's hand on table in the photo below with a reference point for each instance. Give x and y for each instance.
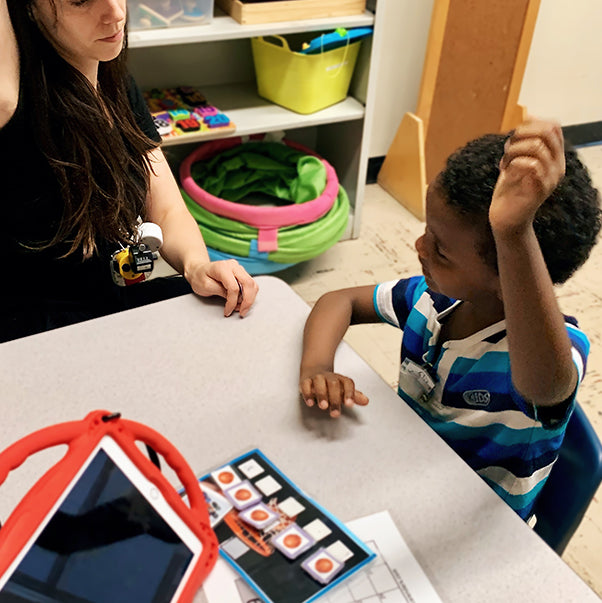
(532, 167)
(329, 391)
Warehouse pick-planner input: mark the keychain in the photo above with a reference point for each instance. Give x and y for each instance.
(135, 263)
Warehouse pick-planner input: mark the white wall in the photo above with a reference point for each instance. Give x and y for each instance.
(563, 78)
(405, 27)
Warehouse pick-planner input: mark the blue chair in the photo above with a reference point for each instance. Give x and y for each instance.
(572, 483)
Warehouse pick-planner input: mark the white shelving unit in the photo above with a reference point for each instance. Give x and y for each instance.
(217, 58)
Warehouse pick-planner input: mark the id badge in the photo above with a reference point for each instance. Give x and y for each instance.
(415, 380)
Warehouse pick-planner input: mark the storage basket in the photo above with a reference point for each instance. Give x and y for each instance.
(304, 83)
(151, 14)
(263, 239)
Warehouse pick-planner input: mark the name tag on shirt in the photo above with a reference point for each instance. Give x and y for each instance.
(415, 380)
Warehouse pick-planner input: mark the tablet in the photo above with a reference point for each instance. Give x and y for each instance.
(110, 537)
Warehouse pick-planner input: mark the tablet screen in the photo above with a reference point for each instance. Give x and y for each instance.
(104, 544)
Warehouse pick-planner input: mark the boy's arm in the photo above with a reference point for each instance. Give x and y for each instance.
(9, 67)
(540, 349)
(324, 330)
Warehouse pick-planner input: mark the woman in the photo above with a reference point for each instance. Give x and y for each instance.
(79, 163)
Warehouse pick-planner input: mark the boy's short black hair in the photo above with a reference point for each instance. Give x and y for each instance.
(566, 225)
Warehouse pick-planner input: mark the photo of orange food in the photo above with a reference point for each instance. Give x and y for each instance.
(242, 494)
(324, 566)
(292, 541)
(259, 515)
(225, 477)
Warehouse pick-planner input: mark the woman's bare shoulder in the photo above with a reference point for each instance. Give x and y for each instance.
(9, 67)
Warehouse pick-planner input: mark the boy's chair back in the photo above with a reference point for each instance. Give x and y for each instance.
(572, 484)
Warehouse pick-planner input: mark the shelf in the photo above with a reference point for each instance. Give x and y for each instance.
(217, 59)
(253, 115)
(224, 27)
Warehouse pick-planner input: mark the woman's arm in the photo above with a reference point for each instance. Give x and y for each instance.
(9, 67)
(539, 347)
(183, 246)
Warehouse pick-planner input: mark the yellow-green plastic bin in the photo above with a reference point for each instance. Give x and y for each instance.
(304, 83)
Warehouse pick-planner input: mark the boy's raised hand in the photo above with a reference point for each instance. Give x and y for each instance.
(533, 165)
(531, 168)
(330, 391)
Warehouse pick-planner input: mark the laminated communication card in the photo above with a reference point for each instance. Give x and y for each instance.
(286, 546)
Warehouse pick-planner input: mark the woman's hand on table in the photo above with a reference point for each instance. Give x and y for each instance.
(226, 278)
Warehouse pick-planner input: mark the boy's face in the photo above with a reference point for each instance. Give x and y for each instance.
(449, 255)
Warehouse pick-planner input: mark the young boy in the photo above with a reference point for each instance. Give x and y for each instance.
(487, 358)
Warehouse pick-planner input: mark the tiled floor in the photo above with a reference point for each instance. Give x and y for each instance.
(385, 250)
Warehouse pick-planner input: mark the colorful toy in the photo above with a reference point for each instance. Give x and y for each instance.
(162, 124)
(190, 124)
(206, 110)
(216, 121)
(168, 104)
(178, 113)
(187, 111)
(191, 96)
(339, 37)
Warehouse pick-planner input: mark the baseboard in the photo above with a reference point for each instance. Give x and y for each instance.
(374, 165)
(584, 134)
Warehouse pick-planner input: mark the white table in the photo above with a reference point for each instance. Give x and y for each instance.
(217, 387)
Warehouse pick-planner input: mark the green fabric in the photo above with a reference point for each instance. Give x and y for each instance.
(269, 168)
(295, 243)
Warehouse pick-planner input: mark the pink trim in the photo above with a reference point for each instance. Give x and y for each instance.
(259, 217)
(267, 239)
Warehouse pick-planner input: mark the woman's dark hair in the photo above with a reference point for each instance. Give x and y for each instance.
(566, 225)
(89, 137)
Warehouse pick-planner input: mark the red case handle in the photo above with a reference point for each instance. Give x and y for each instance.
(81, 437)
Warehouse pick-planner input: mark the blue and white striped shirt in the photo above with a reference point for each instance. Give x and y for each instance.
(474, 406)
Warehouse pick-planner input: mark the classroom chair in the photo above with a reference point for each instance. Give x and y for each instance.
(572, 484)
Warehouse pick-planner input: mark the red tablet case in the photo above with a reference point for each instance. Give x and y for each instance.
(82, 437)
